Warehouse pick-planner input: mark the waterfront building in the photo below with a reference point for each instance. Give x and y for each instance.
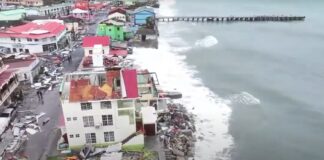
(8, 83)
(99, 107)
(35, 37)
(113, 29)
(141, 14)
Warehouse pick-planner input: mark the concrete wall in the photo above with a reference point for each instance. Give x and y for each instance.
(121, 124)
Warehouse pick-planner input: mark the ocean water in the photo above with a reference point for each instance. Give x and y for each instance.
(256, 88)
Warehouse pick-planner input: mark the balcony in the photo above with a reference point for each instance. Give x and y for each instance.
(7, 87)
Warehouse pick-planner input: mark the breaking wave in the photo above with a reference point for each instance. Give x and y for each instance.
(206, 42)
(212, 112)
(244, 98)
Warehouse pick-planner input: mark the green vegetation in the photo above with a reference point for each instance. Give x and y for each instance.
(133, 148)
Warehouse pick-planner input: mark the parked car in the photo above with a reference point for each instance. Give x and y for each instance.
(7, 116)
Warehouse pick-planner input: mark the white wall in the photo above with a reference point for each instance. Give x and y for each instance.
(33, 46)
(105, 50)
(121, 126)
(117, 15)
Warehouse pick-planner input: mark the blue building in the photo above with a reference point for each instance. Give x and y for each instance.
(141, 14)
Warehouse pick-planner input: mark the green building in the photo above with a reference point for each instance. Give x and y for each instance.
(115, 32)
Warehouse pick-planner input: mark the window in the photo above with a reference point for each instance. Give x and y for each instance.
(29, 39)
(19, 40)
(14, 50)
(21, 50)
(118, 82)
(88, 121)
(13, 39)
(117, 28)
(71, 135)
(128, 112)
(27, 50)
(75, 118)
(109, 29)
(105, 105)
(125, 103)
(68, 119)
(109, 136)
(77, 135)
(107, 120)
(36, 40)
(90, 51)
(86, 106)
(90, 137)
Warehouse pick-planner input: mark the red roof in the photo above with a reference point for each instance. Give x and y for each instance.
(119, 10)
(20, 63)
(34, 30)
(93, 40)
(118, 52)
(130, 80)
(5, 77)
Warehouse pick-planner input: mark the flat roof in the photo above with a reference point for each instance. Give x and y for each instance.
(20, 63)
(5, 77)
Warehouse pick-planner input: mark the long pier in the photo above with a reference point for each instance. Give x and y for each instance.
(230, 19)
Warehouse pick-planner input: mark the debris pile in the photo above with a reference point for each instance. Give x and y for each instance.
(49, 76)
(19, 130)
(176, 128)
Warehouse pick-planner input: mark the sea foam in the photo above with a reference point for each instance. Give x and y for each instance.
(212, 112)
(244, 98)
(206, 42)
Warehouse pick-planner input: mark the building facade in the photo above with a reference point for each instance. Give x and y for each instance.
(114, 31)
(99, 107)
(54, 9)
(141, 14)
(8, 83)
(90, 42)
(26, 69)
(35, 37)
(117, 14)
(29, 3)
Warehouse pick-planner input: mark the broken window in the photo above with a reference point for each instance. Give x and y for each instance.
(105, 105)
(128, 112)
(88, 121)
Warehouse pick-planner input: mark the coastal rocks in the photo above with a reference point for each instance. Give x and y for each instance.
(176, 128)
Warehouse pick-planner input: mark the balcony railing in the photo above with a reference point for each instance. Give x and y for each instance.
(7, 92)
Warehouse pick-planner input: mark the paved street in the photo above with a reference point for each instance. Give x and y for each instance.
(39, 142)
(44, 143)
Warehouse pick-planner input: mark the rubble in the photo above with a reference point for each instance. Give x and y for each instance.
(18, 132)
(176, 128)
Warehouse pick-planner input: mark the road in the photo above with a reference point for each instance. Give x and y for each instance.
(44, 143)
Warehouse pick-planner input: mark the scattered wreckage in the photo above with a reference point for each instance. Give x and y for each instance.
(176, 130)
